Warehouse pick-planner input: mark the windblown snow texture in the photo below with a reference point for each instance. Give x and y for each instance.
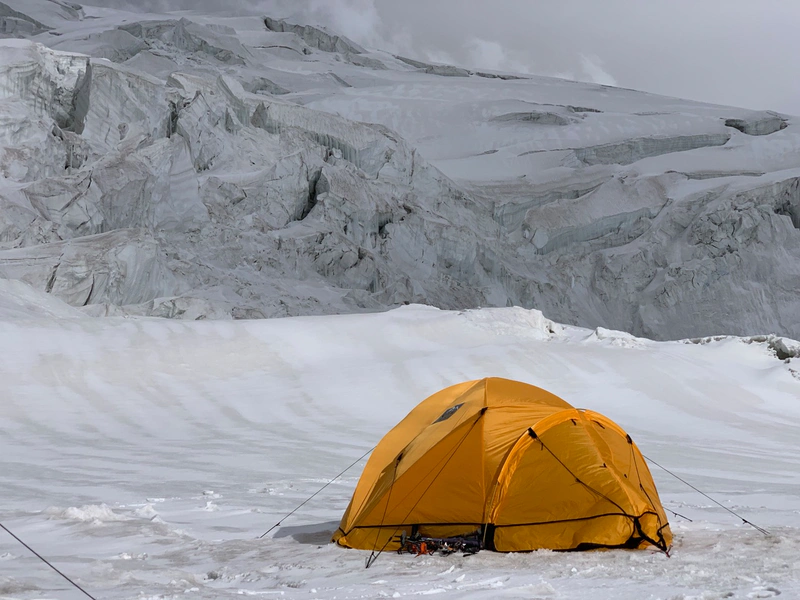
(198, 167)
(144, 457)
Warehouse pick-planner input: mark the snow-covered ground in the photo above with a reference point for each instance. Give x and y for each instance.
(144, 457)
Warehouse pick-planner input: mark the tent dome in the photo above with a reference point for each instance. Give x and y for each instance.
(513, 463)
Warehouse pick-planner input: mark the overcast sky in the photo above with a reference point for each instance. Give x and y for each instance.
(736, 52)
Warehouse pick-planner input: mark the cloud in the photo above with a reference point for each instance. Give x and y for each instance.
(489, 54)
(593, 70)
(434, 56)
(359, 20)
(356, 19)
(737, 55)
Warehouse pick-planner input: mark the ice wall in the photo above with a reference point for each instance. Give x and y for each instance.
(206, 167)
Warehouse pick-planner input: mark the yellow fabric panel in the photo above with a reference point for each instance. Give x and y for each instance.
(513, 407)
(395, 440)
(463, 466)
(434, 433)
(653, 524)
(649, 488)
(504, 425)
(612, 440)
(610, 530)
(370, 538)
(535, 488)
(433, 489)
(601, 458)
(506, 392)
(419, 423)
(581, 466)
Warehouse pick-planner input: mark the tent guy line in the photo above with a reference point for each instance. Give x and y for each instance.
(299, 506)
(677, 514)
(45, 561)
(459, 481)
(373, 557)
(753, 525)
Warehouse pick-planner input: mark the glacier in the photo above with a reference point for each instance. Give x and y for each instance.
(196, 166)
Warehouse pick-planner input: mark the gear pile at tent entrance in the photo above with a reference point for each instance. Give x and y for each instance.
(506, 466)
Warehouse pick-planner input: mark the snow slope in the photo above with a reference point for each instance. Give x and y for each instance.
(245, 167)
(145, 456)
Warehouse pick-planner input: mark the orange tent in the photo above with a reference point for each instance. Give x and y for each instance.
(513, 463)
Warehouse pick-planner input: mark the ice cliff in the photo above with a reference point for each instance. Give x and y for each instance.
(254, 167)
